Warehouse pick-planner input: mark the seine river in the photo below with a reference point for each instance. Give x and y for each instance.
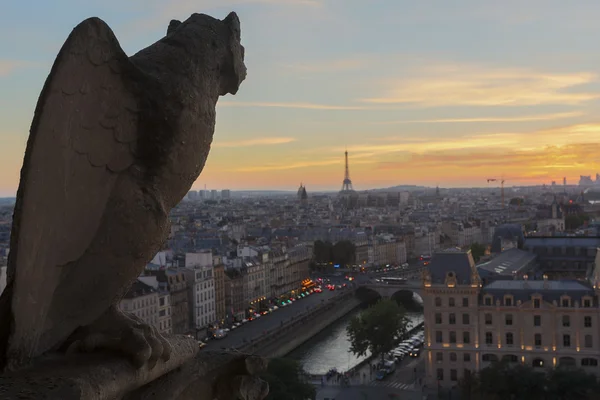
(331, 348)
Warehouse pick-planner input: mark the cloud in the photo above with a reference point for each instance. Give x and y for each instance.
(347, 64)
(455, 85)
(524, 118)
(546, 161)
(303, 106)
(299, 164)
(560, 137)
(267, 141)
(7, 67)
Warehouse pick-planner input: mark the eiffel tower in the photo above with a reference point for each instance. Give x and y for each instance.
(347, 183)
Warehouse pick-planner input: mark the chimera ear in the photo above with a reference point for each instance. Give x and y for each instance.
(233, 22)
(237, 50)
(174, 24)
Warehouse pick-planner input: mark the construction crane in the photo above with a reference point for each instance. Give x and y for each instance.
(501, 187)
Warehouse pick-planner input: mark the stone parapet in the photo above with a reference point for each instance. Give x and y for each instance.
(189, 374)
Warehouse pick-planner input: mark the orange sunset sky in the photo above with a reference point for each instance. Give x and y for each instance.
(436, 92)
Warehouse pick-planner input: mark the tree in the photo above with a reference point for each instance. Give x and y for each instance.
(285, 378)
(573, 222)
(516, 201)
(504, 380)
(377, 329)
(478, 251)
(323, 251)
(344, 252)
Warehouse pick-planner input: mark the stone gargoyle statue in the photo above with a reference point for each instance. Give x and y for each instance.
(116, 142)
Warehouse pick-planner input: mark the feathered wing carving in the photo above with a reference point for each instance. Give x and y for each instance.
(83, 134)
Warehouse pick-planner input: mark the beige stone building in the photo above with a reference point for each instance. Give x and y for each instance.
(539, 323)
(141, 300)
(220, 309)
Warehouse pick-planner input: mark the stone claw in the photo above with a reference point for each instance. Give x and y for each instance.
(125, 334)
(252, 387)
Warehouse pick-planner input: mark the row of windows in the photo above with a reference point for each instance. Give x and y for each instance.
(451, 302)
(509, 339)
(439, 357)
(537, 302)
(588, 341)
(586, 362)
(508, 320)
(537, 320)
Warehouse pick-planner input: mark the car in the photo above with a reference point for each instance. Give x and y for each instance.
(415, 353)
(219, 334)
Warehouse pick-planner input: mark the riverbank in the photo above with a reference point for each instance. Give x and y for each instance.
(293, 333)
(362, 369)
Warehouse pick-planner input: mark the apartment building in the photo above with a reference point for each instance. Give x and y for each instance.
(540, 323)
(561, 257)
(220, 310)
(141, 300)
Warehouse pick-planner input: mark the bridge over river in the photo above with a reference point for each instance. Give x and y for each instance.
(387, 290)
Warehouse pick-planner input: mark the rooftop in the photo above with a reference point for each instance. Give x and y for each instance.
(508, 262)
(539, 285)
(139, 289)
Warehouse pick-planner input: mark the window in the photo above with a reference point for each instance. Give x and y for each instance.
(452, 319)
(589, 362)
(537, 320)
(489, 338)
(465, 302)
(566, 321)
(565, 302)
(536, 303)
(587, 322)
(467, 357)
(453, 357)
(466, 319)
(452, 337)
(508, 301)
(509, 339)
(587, 303)
(451, 302)
(439, 357)
(537, 339)
(453, 375)
(488, 319)
(588, 341)
(438, 301)
(487, 301)
(508, 319)
(440, 374)
(439, 338)
(466, 337)
(567, 340)
(438, 318)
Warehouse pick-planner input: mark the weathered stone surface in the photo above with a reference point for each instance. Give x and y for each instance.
(115, 143)
(205, 376)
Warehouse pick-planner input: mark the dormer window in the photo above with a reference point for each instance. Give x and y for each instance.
(508, 301)
(565, 301)
(537, 302)
(587, 302)
(487, 300)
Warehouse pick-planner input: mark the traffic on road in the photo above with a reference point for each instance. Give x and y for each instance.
(330, 286)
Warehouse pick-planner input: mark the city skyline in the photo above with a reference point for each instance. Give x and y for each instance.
(418, 93)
